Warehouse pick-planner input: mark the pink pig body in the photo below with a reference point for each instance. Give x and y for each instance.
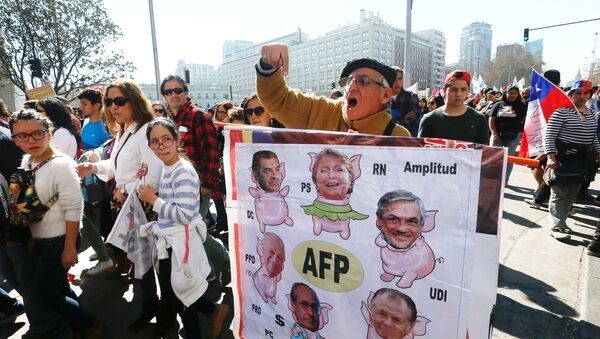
(271, 208)
(410, 264)
(324, 224)
(265, 285)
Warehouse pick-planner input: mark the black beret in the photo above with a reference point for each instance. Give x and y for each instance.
(386, 71)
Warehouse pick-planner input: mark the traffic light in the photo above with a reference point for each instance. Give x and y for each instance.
(36, 67)
(526, 34)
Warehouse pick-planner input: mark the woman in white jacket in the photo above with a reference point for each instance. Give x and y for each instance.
(127, 112)
(180, 231)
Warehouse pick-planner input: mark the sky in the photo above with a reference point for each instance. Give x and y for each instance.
(194, 31)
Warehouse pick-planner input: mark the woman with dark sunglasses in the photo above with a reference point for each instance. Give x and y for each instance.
(255, 113)
(128, 113)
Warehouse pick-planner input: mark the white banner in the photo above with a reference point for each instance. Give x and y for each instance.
(395, 255)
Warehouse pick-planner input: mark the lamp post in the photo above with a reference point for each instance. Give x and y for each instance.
(592, 65)
(407, 43)
(154, 49)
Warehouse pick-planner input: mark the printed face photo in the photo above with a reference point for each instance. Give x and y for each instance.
(390, 317)
(269, 174)
(332, 178)
(273, 254)
(306, 308)
(401, 223)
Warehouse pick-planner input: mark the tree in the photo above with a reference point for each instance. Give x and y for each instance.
(511, 61)
(69, 37)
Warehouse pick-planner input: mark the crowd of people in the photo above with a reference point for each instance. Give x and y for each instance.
(87, 161)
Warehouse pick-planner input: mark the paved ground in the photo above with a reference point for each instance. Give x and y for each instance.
(546, 289)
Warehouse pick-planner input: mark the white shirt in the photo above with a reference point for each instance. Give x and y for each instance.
(131, 153)
(65, 142)
(57, 176)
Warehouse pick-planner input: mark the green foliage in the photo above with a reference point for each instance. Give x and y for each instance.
(68, 36)
(510, 61)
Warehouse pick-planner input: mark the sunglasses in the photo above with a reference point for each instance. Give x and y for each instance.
(159, 110)
(119, 101)
(258, 111)
(168, 92)
(361, 80)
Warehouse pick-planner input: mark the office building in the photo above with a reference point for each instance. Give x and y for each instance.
(475, 47)
(316, 64)
(535, 47)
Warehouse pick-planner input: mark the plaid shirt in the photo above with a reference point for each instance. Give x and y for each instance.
(403, 103)
(199, 139)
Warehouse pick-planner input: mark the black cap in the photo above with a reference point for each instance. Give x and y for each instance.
(386, 71)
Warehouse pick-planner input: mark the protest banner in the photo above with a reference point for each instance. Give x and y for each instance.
(330, 229)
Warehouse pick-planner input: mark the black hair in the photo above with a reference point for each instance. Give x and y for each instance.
(30, 114)
(173, 77)
(60, 115)
(94, 96)
(3, 109)
(261, 155)
(166, 123)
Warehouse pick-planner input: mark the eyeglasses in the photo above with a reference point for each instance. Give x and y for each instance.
(166, 142)
(168, 92)
(119, 101)
(221, 112)
(35, 135)
(159, 110)
(258, 111)
(361, 80)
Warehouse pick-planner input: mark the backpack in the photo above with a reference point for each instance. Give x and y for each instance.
(26, 207)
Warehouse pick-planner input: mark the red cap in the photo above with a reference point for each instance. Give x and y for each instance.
(459, 74)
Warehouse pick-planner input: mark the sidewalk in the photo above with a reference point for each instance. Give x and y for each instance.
(546, 288)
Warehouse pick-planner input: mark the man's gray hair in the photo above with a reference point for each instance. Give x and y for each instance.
(400, 195)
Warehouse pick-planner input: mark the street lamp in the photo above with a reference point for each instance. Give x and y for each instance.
(592, 65)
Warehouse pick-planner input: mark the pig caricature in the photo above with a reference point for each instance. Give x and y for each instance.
(333, 175)
(310, 315)
(272, 257)
(401, 218)
(267, 173)
(392, 314)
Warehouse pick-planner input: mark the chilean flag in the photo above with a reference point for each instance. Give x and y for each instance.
(544, 98)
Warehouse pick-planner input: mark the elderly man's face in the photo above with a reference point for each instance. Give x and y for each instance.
(391, 318)
(401, 223)
(363, 100)
(306, 309)
(273, 255)
(269, 175)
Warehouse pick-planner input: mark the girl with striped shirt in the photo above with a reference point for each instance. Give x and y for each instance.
(183, 264)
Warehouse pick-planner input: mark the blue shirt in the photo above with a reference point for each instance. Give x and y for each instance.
(93, 134)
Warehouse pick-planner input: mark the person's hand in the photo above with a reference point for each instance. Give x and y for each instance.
(120, 197)
(276, 55)
(85, 169)
(68, 258)
(146, 194)
(552, 163)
